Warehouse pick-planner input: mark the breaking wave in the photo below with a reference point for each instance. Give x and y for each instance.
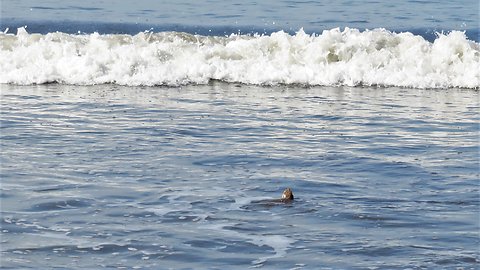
(334, 57)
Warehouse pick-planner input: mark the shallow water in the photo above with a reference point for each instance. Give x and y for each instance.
(136, 177)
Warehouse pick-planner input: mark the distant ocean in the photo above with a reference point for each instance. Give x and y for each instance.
(148, 134)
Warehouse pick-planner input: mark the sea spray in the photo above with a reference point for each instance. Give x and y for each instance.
(350, 57)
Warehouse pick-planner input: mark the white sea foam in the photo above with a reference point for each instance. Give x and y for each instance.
(335, 57)
(279, 243)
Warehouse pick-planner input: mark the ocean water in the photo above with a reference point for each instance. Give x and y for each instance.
(149, 177)
(264, 43)
(147, 135)
(420, 16)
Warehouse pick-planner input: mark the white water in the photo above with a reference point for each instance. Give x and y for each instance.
(335, 57)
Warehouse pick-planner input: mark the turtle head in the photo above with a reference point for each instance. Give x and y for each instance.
(287, 194)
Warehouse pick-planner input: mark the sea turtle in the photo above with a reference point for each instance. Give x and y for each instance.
(287, 197)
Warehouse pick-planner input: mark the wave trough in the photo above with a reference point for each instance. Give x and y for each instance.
(335, 57)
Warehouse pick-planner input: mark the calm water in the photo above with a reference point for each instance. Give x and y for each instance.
(123, 177)
(220, 17)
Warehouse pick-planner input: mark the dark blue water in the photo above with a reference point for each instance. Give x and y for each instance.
(224, 17)
(123, 177)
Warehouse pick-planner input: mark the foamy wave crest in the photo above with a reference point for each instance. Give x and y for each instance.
(335, 57)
